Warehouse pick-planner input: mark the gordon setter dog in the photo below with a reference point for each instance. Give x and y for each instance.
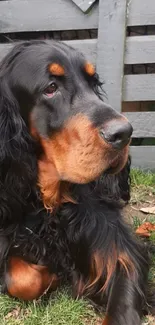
(64, 175)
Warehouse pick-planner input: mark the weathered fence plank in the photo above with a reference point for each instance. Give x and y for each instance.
(143, 157)
(140, 49)
(141, 12)
(110, 49)
(84, 5)
(36, 15)
(87, 46)
(143, 124)
(4, 49)
(107, 51)
(139, 87)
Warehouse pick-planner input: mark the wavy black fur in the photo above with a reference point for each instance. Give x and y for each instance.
(66, 241)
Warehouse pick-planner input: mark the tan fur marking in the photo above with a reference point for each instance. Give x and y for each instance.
(29, 281)
(54, 192)
(127, 264)
(56, 69)
(89, 68)
(100, 267)
(106, 321)
(67, 155)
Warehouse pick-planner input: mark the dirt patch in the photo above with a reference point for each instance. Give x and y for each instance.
(133, 211)
(142, 197)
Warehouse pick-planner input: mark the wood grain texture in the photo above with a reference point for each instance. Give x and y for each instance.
(141, 12)
(140, 49)
(110, 49)
(139, 87)
(87, 47)
(4, 49)
(39, 15)
(143, 124)
(143, 157)
(84, 5)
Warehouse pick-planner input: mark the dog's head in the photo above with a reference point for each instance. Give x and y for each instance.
(56, 92)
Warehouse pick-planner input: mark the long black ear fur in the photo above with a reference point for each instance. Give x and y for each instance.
(17, 159)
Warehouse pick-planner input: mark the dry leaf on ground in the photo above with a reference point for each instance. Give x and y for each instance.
(148, 210)
(14, 313)
(145, 229)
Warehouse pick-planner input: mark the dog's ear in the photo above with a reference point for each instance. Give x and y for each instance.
(17, 162)
(14, 136)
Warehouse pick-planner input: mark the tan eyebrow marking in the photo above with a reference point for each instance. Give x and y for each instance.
(89, 68)
(56, 69)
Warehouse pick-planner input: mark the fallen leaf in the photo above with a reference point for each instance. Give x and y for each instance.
(98, 321)
(14, 313)
(149, 210)
(150, 320)
(145, 229)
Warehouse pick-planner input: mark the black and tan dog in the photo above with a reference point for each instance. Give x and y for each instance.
(59, 207)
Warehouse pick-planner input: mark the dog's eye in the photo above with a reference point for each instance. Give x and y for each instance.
(51, 89)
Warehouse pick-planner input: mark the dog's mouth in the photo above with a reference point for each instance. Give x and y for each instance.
(117, 163)
(77, 154)
(114, 164)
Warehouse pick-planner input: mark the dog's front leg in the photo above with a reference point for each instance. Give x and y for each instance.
(125, 302)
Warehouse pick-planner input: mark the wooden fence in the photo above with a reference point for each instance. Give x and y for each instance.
(109, 51)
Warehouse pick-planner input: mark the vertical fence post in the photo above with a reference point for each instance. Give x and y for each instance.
(110, 48)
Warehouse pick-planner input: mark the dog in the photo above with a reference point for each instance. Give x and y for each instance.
(64, 175)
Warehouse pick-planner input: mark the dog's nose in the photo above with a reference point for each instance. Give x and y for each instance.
(117, 132)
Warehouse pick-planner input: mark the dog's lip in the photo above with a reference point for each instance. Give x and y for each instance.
(115, 159)
(114, 164)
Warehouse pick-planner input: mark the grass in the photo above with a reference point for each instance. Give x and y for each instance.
(138, 221)
(143, 185)
(138, 178)
(61, 309)
(152, 270)
(143, 191)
